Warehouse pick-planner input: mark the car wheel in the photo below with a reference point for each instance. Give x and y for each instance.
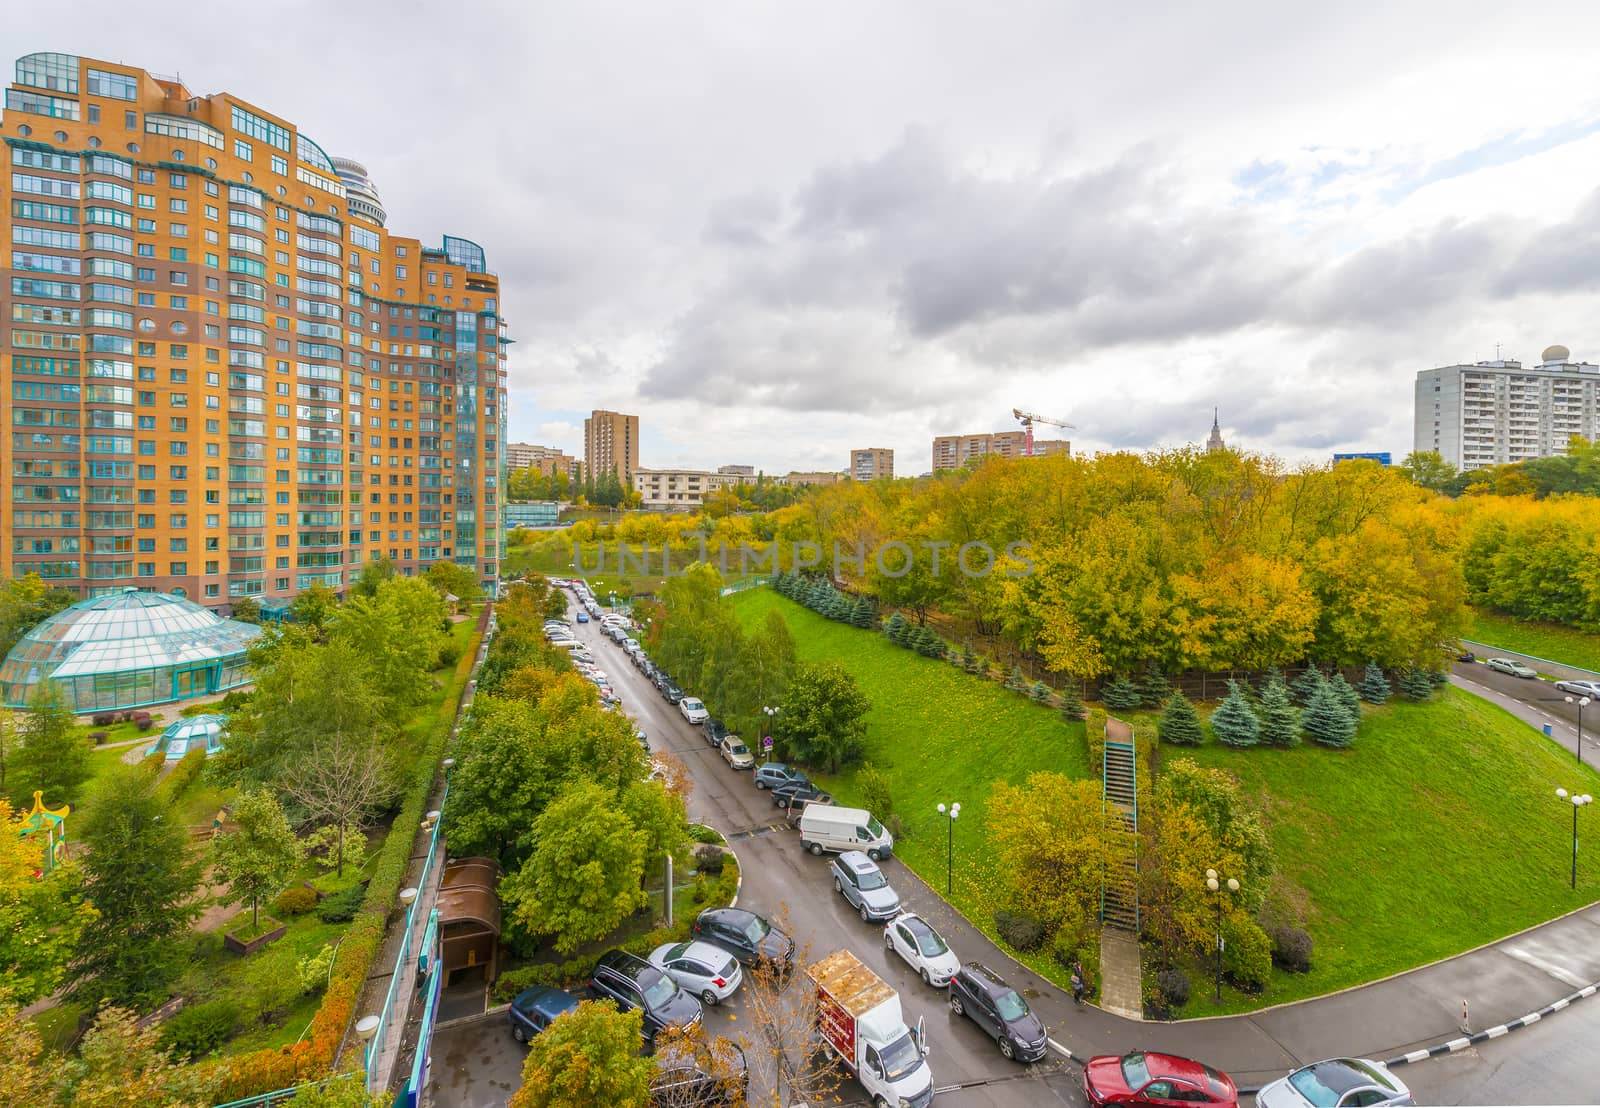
(816, 848)
(761, 784)
(708, 998)
(955, 1004)
(888, 942)
(518, 1033)
(838, 885)
(865, 918)
(926, 979)
(1007, 1051)
(873, 854)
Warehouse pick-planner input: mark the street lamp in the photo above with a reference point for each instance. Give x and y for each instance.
(1582, 702)
(1578, 801)
(949, 840)
(772, 717)
(1216, 886)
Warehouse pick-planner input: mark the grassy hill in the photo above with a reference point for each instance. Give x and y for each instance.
(1550, 641)
(1436, 832)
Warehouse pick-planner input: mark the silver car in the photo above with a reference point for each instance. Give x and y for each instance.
(703, 970)
(1335, 1083)
(1591, 689)
(858, 879)
(1511, 666)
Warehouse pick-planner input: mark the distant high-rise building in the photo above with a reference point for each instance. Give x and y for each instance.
(611, 445)
(205, 315)
(547, 460)
(955, 451)
(871, 463)
(1494, 413)
(1214, 441)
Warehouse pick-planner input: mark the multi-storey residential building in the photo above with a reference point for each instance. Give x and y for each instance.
(546, 459)
(871, 463)
(610, 445)
(225, 376)
(745, 472)
(678, 488)
(816, 477)
(1492, 413)
(955, 451)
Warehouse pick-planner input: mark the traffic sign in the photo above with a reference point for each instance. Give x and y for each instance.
(766, 743)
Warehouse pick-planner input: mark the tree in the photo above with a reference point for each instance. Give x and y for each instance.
(1326, 721)
(341, 780)
(822, 722)
(24, 602)
(1280, 722)
(40, 916)
(1051, 843)
(257, 859)
(373, 574)
(1215, 798)
(452, 579)
(141, 881)
(315, 607)
(1071, 703)
(118, 1064)
(896, 629)
(1180, 723)
(1347, 696)
(587, 1057)
(8, 749)
(1121, 695)
(1305, 686)
(53, 756)
(1374, 687)
(1154, 688)
(583, 877)
(780, 1027)
(1416, 684)
(1039, 693)
(1234, 722)
(1428, 469)
(1016, 682)
(398, 631)
(246, 609)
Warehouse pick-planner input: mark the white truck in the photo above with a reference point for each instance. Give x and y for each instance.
(859, 1018)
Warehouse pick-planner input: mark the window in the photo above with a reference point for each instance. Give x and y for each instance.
(280, 166)
(243, 149)
(130, 121)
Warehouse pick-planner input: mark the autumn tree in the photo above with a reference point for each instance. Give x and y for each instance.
(258, 857)
(53, 755)
(823, 721)
(118, 1064)
(586, 1057)
(779, 1002)
(41, 913)
(1050, 843)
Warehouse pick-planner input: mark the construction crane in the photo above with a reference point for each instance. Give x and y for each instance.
(1028, 419)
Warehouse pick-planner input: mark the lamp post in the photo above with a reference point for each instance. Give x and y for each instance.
(949, 840)
(1577, 801)
(772, 724)
(1582, 702)
(1216, 886)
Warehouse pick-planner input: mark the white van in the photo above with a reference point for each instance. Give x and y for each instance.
(828, 827)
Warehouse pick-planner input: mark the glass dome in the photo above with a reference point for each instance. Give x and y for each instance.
(128, 649)
(203, 732)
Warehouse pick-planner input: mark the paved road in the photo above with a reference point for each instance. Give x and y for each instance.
(1536, 702)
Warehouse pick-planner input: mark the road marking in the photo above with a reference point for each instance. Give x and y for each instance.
(1531, 1018)
(1457, 1044)
(1417, 1056)
(1496, 1032)
(1561, 974)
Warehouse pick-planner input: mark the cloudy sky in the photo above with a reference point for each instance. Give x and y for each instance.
(780, 230)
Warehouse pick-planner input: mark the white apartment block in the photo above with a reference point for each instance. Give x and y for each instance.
(1494, 413)
(674, 489)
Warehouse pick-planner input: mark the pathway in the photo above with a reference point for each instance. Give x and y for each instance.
(1121, 972)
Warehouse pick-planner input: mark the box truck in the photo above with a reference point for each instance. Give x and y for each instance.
(859, 1018)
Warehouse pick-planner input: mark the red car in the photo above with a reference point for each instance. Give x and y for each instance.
(1164, 1079)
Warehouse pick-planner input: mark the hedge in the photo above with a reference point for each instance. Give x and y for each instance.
(264, 1071)
(183, 774)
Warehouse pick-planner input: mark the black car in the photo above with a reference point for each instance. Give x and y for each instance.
(701, 1073)
(801, 792)
(715, 731)
(536, 1009)
(745, 935)
(633, 983)
(978, 991)
(672, 693)
(661, 680)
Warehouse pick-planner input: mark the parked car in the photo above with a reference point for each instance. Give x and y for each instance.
(979, 992)
(536, 1009)
(923, 948)
(858, 879)
(661, 680)
(801, 792)
(644, 740)
(1591, 689)
(1511, 666)
(736, 754)
(583, 617)
(673, 694)
(693, 710)
(690, 1075)
(745, 935)
(1335, 1083)
(632, 983)
(715, 731)
(771, 775)
(1143, 1077)
(709, 972)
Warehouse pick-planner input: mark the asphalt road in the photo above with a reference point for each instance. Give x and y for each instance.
(1541, 703)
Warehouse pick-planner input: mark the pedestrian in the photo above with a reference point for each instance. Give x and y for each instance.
(1077, 988)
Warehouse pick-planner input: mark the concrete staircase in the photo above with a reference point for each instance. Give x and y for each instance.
(1120, 971)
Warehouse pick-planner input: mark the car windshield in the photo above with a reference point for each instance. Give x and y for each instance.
(659, 991)
(756, 929)
(900, 1057)
(872, 879)
(1012, 1007)
(1134, 1072)
(691, 703)
(928, 941)
(738, 748)
(875, 827)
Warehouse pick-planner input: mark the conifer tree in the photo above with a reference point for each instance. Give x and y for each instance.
(1347, 696)
(1416, 685)
(1280, 721)
(1326, 721)
(926, 641)
(1304, 687)
(1154, 687)
(1374, 687)
(1071, 704)
(1121, 695)
(1180, 723)
(1016, 682)
(1040, 693)
(1234, 722)
(896, 629)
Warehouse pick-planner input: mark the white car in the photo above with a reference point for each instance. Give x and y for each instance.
(735, 753)
(1335, 1083)
(703, 970)
(693, 710)
(923, 948)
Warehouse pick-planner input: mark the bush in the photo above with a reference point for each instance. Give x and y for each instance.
(199, 1029)
(1022, 931)
(184, 773)
(144, 724)
(898, 828)
(551, 975)
(1174, 986)
(449, 654)
(1247, 956)
(342, 906)
(312, 970)
(104, 719)
(873, 784)
(296, 900)
(1121, 695)
(700, 833)
(709, 859)
(1291, 949)
(97, 737)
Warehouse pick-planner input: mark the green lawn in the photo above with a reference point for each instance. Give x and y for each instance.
(1436, 832)
(1550, 641)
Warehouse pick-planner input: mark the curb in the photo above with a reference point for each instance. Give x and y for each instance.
(463, 1021)
(1494, 1032)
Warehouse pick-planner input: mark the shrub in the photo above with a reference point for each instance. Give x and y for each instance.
(896, 629)
(873, 784)
(104, 719)
(97, 737)
(700, 833)
(1121, 695)
(342, 906)
(898, 828)
(1071, 704)
(449, 654)
(1247, 956)
(1234, 722)
(1174, 986)
(1374, 687)
(312, 970)
(928, 643)
(296, 900)
(552, 975)
(1180, 723)
(144, 724)
(709, 859)
(1291, 949)
(200, 1028)
(1022, 931)
(184, 773)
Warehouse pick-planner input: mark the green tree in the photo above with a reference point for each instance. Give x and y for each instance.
(1154, 688)
(1039, 693)
(257, 859)
(896, 629)
(659, 813)
(823, 720)
(1305, 686)
(583, 877)
(1016, 682)
(24, 601)
(374, 573)
(40, 917)
(873, 785)
(1415, 684)
(1374, 687)
(141, 881)
(587, 1057)
(246, 609)
(1121, 695)
(1326, 721)
(398, 631)
(1234, 722)
(1280, 722)
(1428, 469)
(306, 692)
(314, 608)
(341, 780)
(53, 755)
(1071, 703)
(1180, 723)
(1347, 697)
(457, 580)
(1050, 842)
(1214, 797)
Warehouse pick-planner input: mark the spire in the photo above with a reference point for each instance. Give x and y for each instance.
(1215, 441)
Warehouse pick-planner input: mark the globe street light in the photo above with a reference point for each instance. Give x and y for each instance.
(949, 840)
(1582, 702)
(1216, 886)
(772, 714)
(1577, 801)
